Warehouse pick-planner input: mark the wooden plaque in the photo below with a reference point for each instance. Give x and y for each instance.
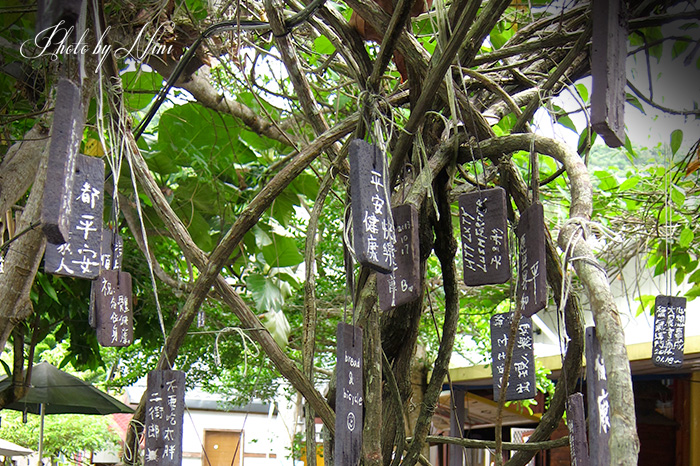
(373, 233)
(80, 255)
(113, 309)
(165, 405)
(51, 13)
(532, 266)
(112, 250)
(576, 421)
(521, 378)
(66, 134)
(484, 232)
(669, 331)
(403, 284)
(599, 415)
(348, 396)
(608, 59)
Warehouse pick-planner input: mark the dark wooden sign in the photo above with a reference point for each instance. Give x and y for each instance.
(576, 421)
(113, 308)
(608, 60)
(112, 250)
(66, 133)
(80, 255)
(521, 378)
(402, 285)
(165, 406)
(669, 331)
(373, 232)
(51, 13)
(348, 396)
(599, 415)
(532, 267)
(484, 232)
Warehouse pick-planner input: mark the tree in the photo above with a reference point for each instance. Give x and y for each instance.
(255, 130)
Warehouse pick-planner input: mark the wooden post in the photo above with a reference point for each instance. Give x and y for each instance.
(608, 59)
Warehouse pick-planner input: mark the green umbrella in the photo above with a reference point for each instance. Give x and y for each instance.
(53, 391)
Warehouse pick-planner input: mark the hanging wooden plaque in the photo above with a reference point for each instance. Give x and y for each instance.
(113, 309)
(576, 421)
(165, 405)
(521, 378)
(348, 396)
(50, 13)
(484, 232)
(402, 285)
(669, 331)
(66, 133)
(608, 69)
(373, 232)
(532, 267)
(80, 255)
(599, 415)
(112, 250)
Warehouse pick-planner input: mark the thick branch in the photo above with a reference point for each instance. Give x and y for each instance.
(18, 168)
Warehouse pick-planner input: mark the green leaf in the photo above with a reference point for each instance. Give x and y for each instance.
(607, 181)
(282, 252)
(323, 45)
(686, 237)
(583, 92)
(277, 324)
(140, 87)
(629, 183)
(679, 46)
(47, 286)
(566, 122)
(676, 140)
(646, 301)
(695, 277)
(677, 195)
(266, 294)
(634, 101)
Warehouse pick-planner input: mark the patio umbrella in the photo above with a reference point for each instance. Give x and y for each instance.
(53, 391)
(10, 449)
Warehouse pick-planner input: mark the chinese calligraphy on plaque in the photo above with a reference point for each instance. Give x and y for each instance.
(80, 255)
(402, 285)
(373, 230)
(66, 133)
(598, 401)
(348, 395)
(165, 405)
(521, 378)
(113, 313)
(532, 268)
(669, 331)
(484, 232)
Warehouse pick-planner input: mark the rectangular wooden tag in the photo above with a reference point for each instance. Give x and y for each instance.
(80, 255)
(608, 69)
(373, 233)
(165, 406)
(113, 309)
(402, 285)
(599, 415)
(532, 266)
(521, 378)
(112, 250)
(576, 421)
(669, 331)
(348, 396)
(484, 231)
(66, 134)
